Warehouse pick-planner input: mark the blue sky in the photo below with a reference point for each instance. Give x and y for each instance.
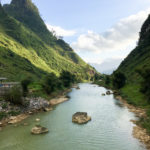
(99, 30)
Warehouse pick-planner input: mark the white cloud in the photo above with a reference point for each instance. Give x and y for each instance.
(60, 31)
(122, 35)
(108, 65)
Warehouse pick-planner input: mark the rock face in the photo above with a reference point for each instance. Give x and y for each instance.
(80, 118)
(38, 103)
(39, 130)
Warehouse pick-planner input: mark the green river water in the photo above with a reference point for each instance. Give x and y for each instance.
(110, 128)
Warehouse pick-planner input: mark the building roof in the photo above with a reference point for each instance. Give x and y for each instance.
(1, 78)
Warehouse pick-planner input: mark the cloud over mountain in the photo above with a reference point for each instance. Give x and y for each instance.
(60, 31)
(120, 36)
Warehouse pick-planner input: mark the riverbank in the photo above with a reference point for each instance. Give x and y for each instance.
(138, 132)
(35, 105)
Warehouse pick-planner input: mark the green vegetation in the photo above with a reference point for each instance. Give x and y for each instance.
(67, 78)
(119, 80)
(32, 55)
(25, 83)
(107, 80)
(145, 84)
(28, 48)
(50, 83)
(3, 115)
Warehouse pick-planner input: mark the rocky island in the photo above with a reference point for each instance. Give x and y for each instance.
(39, 130)
(81, 118)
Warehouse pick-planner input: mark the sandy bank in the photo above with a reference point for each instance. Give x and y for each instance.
(37, 106)
(56, 101)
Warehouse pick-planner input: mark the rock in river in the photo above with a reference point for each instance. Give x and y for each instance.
(108, 93)
(39, 130)
(80, 118)
(103, 94)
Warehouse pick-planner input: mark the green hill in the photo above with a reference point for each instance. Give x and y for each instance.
(138, 59)
(28, 48)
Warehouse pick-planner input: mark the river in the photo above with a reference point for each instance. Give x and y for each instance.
(110, 128)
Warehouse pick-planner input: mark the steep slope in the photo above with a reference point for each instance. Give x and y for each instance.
(28, 48)
(138, 59)
(26, 12)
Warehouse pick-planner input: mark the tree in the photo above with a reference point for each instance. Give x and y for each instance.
(97, 76)
(67, 78)
(145, 84)
(50, 83)
(107, 80)
(119, 80)
(24, 84)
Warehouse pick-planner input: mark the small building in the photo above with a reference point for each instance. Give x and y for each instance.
(7, 84)
(1, 81)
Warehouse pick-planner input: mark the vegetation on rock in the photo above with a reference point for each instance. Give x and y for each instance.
(28, 48)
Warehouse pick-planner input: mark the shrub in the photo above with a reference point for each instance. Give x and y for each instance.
(119, 80)
(67, 78)
(3, 115)
(50, 83)
(145, 84)
(14, 95)
(107, 80)
(14, 113)
(24, 84)
(4, 105)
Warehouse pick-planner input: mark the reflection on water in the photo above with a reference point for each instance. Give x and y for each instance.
(110, 128)
(119, 103)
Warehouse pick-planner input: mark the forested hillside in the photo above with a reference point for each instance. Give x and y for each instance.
(28, 48)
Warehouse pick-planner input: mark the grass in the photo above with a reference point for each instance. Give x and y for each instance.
(24, 51)
(3, 115)
(131, 92)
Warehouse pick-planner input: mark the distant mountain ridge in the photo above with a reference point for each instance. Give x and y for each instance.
(28, 48)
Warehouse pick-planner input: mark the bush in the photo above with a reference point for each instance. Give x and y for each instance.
(14, 95)
(97, 76)
(107, 80)
(14, 113)
(50, 83)
(24, 84)
(119, 80)
(3, 115)
(67, 78)
(145, 84)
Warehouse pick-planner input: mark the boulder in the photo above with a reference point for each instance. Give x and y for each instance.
(80, 118)
(39, 130)
(108, 92)
(47, 109)
(1, 124)
(103, 94)
(37, 119)
(78, 88)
